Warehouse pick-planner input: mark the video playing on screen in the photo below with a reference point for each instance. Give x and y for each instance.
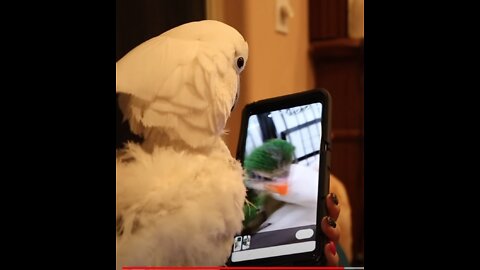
(281, 163)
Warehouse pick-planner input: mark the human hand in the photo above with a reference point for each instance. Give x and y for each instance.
(331, 229)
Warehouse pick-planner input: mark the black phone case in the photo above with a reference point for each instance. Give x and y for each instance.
(317, 256)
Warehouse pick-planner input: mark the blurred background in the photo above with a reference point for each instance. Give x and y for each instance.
(294, 46)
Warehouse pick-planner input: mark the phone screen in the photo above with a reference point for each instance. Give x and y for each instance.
(281, 159)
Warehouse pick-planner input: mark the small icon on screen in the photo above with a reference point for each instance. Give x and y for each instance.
(246, 242)
(237, 245)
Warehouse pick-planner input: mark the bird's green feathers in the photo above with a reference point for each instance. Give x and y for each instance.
(269, 156)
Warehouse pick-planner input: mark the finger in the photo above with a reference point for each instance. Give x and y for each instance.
(333, 206)
(330, 229)
(331, 254)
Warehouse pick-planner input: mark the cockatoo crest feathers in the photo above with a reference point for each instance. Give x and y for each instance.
(150, 69)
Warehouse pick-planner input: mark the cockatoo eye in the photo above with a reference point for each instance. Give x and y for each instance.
(239, 63)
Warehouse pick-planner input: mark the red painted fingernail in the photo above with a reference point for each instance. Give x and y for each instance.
(332, 247)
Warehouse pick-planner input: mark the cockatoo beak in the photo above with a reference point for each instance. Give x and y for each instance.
(237, 95)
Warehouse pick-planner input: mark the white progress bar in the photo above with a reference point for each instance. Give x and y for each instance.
(267, 252)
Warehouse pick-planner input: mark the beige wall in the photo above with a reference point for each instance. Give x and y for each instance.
(278, 64)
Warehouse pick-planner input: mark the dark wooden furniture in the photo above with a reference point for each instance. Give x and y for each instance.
(338, 67)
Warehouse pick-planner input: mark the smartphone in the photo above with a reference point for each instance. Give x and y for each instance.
(284, 147)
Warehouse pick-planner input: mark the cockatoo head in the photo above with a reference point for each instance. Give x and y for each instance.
(184, 82)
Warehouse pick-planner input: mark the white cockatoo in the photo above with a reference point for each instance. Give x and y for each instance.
(180, 194)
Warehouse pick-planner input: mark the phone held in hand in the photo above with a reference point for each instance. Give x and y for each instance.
(284, 147)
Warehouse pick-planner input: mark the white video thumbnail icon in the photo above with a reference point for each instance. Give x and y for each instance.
(246, 242)
(237, 244)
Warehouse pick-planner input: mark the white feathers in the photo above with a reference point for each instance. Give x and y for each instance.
(180, 194)
(184, 80)
(185, 207)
